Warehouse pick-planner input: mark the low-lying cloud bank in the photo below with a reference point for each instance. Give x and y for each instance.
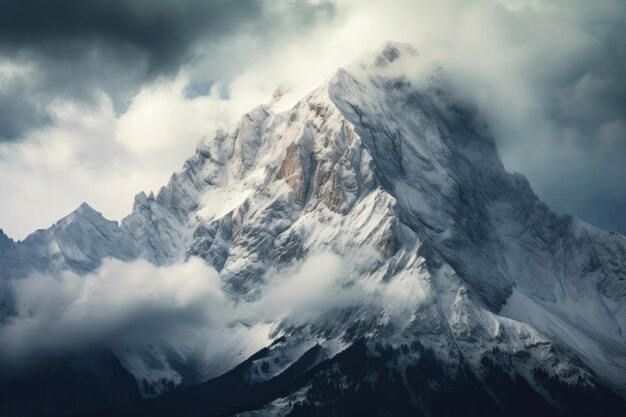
(127, 305)
(119, 303)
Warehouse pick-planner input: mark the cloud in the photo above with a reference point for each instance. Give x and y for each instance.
(120, 304)
(19, 109)
(127, 305)
(324, 281)
(79, 49)
(160, 32)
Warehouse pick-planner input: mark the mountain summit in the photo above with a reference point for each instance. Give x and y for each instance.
(468, 295)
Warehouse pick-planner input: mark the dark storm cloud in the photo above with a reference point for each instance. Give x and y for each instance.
(550, 80)
(81, 46)
(18, 111)
(586, 101)
(594, 89)
(158, 31)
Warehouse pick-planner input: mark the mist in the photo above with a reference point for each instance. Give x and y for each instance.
(128, 305)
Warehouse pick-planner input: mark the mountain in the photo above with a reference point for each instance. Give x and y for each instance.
(459, 292)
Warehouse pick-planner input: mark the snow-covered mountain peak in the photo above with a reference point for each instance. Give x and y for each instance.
(447, 251)
(279, 93)
(391, 59)
(84, 212)
(394, 50)
(5, 241)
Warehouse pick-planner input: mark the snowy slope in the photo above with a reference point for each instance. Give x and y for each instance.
(443, 247)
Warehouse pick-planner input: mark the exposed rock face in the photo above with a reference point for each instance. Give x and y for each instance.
(5, 241)
(468, 281)
(293, 171)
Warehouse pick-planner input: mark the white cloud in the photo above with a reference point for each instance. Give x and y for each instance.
(119, 304)
(136, 304)
(91, 155)
(322, 282)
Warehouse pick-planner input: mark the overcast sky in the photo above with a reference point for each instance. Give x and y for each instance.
(102, 99)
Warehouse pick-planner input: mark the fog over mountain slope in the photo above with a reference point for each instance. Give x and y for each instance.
(371, 249)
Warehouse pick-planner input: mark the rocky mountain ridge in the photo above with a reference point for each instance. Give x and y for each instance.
(464, 277)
